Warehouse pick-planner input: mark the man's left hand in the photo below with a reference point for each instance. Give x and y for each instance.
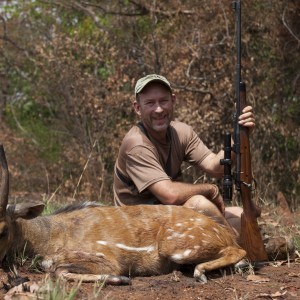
(247, 118)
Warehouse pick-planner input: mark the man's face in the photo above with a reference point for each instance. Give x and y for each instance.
(155, 107)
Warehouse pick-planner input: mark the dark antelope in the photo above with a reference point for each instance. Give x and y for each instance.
(90, 242)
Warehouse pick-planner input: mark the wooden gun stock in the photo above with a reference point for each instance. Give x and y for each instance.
(250, 238)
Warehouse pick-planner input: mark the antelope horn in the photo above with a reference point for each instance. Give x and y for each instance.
(4, 187)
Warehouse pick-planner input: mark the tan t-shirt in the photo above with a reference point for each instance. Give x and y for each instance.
(143, 161)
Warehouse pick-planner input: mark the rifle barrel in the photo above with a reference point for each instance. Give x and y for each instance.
(237, 142)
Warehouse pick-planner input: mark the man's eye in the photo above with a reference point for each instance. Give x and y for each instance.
(149, 103)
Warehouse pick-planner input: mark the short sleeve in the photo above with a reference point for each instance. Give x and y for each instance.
(196, 150)
(143, 167)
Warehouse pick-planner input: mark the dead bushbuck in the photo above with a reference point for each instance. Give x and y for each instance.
(90, 242)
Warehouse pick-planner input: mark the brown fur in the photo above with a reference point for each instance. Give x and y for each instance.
(134, 240)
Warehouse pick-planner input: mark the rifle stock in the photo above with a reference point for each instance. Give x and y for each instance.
(250, 237)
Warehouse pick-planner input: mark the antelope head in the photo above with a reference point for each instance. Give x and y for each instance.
(5, 235)
(9, 214)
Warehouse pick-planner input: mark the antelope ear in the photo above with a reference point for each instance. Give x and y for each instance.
(26, 210)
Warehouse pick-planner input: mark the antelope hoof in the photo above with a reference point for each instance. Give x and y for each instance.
(47, 265)
(200, 277)
(118, 280)
(242, 264)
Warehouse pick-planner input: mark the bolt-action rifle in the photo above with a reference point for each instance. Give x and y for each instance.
(250, 237)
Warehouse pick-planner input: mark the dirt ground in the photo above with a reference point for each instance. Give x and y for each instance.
(275, 280)
(270, 282)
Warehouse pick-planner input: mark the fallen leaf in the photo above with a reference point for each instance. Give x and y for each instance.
(263, 295)
(24, 291)
(256, 278)
(21, 296)
(278, 294)
(278, 263)
(272, 296)
(294, 274)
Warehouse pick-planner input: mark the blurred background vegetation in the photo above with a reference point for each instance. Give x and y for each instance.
(68, 70)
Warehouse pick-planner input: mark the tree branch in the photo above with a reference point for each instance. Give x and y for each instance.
(288, 28)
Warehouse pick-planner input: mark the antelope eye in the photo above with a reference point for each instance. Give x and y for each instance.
(4, 232)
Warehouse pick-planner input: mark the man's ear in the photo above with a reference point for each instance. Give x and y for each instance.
(136, 107)
(173, 99)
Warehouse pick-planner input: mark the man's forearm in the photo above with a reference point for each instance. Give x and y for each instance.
(212, 166)
(177, 193)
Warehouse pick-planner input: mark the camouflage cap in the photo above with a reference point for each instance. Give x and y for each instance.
(142, 82)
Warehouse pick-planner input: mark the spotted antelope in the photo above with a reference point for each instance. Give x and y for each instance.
(90, 242)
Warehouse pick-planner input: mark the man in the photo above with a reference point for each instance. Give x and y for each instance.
(147, 170)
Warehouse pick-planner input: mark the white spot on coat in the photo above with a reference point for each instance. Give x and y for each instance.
(216, 230)
(187, 253)
(177, 235)
(177, 257)
(102, 243)
(100, 254)
(199, 220)
(137, 249)
(207, 235)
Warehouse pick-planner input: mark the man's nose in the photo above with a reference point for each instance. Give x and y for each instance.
(158, 108)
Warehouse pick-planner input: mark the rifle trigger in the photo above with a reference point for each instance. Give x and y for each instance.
(250, 186)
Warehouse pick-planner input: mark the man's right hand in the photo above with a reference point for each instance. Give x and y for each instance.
(218, 201)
